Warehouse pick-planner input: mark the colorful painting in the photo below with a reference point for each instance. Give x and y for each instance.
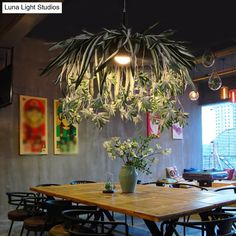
(33, 125)
(177, 131)
(153, 127)
(65, 134)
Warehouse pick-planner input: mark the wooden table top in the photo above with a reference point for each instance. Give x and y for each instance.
(148, 202)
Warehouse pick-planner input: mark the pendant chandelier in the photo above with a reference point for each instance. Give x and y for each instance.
(95, 86)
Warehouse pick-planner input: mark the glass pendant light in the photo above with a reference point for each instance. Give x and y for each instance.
(232, 95)
(214, 82)
(208, 58)
(193, 95)
(224, 92)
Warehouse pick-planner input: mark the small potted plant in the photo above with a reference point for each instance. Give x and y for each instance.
(136, 154)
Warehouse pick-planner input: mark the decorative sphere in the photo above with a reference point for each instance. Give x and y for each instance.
(214, 82)
(208, 59)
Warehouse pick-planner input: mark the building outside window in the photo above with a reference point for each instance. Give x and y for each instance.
(219, 136)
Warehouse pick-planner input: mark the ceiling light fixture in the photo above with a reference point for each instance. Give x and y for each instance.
(232, 95)
(97, 88)
(122, 59)
(193, 95)
(224, 92)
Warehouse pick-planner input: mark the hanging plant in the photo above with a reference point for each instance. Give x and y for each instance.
(97, 88)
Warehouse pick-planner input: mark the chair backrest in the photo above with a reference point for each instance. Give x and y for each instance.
(76, 223)
(46, 185)
(82, 182)
(184, 185)
(34, 205)
(226, 188)
(17, 198)
(217, 223)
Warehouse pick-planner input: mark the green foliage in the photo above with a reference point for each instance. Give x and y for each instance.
(96, 87)
(135, 152)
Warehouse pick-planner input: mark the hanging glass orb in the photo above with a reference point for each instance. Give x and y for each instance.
(208, 58)
(193, 95)
(214, 82)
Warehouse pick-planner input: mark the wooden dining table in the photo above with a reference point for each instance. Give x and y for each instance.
(149, 202)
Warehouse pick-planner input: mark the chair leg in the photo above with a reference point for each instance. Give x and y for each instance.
(132, 220)
(27, 233)
(22, 230)
(9, 232)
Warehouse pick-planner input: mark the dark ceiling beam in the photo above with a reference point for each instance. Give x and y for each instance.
(13, 32)
(227, 71)
(220, 53)
(15, 27)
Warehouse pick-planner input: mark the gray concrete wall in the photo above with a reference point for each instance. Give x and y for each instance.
(18, 173)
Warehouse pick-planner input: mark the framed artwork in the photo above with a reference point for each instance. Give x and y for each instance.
(65, 134)
(153, 127)
(177, 131)
(33, 125)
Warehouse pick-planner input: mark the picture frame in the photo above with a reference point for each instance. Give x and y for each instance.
(177, 131)
(153, 128)
(65, 134)
(33, 125)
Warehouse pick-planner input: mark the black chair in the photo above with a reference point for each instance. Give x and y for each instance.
(59, 229)
(226, 188)
(38, 213)
(82, 182)
(77, 223)
(46, 185)
(21, 212)
(50, 215)
(213, 223)
(187, 185)
(227, 208)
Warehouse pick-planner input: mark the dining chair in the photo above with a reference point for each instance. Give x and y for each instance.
(46, 185)
(213, 223)
(187, 185)
(76, 224)
(59, 229)
(230, 208)
(81, 182)
(38, 212)
(21, 212)
(51, 215)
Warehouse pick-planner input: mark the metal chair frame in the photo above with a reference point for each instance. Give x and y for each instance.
(17, 199)
(213, 223)
(92, 226)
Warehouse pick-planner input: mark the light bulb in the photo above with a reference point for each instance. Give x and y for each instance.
(232, 95)
(208, 58)
(193, 95)
(214, 82)
(122, 59)
(224, 92)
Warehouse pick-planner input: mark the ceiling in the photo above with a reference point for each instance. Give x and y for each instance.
(203, 23)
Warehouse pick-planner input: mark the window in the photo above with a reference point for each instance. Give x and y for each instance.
(219, 136)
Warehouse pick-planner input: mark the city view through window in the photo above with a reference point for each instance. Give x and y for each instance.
(219, 136)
